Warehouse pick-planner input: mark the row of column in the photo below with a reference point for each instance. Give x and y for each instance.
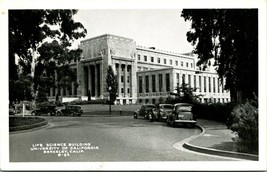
(205, 84)
(124, 72)
(63, 91)
(160, 81)
(92, 80)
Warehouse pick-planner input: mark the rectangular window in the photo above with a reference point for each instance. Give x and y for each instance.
(186, 64)
(178, 79)
(167, 82)
(158, 60)
(189, 80)
(170, 62)
(205, 89)
(139, 57)
(153, 83)
(209, 84)
(183, 78)
(152, 59)
(145, 58)
(122, 78)
(140, 84)
(199, 78)
(191, 65)
(176, 62)
(122, 90)
(160, 82)
(147, 84)
(128, 90)
(128, 79)
(182, 64)
(165, 61)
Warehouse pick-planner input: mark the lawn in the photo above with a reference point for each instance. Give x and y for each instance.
(24, 123)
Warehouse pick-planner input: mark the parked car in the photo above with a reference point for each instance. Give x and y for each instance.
(163, 111)
(146, 111)
(70, 110)
(45, 110)
(182, 113)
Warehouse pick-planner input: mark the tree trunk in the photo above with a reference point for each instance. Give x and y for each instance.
(34, 94)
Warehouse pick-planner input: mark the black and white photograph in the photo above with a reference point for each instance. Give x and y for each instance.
(134, 87)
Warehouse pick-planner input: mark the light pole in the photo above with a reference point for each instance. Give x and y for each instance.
(109, 89)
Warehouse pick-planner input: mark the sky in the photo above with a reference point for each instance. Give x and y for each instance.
(163, 29)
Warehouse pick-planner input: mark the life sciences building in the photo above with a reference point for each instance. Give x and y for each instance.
(144, 74)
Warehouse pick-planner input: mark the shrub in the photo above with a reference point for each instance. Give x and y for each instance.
(245, 127)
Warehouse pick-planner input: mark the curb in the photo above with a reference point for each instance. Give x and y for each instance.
(217, 152)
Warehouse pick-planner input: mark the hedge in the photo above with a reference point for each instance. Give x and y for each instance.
(215, 111)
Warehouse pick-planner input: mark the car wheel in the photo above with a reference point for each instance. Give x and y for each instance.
(72, 114)
(135, 116)
(58, 114)
(172, 123)
(49, 113)
(33, 113)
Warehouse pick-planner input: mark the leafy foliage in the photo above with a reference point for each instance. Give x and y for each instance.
(230, 36)
(28, 30)
(185, 94)
(245, 126)
(112, 85)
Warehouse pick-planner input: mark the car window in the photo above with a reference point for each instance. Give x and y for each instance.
(185, 108)
(168, 107)
(150, 107)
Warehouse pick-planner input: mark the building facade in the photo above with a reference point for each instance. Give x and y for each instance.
(144, 74)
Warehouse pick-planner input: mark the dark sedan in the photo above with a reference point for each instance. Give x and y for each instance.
(70, 110)
(182, 114)
(146, 111)
(45, 110)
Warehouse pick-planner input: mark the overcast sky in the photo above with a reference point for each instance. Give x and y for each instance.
(163, 29)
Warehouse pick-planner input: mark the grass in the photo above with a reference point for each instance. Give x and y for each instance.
(25, 123)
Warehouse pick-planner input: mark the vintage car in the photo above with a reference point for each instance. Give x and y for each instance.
(146, 111)
(70, 110)
(45, 110)
(163, 111)
(182, 114)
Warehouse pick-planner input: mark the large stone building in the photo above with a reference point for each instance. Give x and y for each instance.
(144, 74)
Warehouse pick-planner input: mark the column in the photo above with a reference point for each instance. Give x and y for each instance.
(130, 80)
(157, 79)
(96, 81)
(211, 84)
(72, 88)
(125, 80)
(89, 80)
(118, 79)
(101, 83)
(163, 82)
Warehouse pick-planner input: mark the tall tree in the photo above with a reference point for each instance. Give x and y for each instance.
(27, 31)
(230, 37)
(112, 85)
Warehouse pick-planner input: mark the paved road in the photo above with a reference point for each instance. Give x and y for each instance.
(114, 138)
